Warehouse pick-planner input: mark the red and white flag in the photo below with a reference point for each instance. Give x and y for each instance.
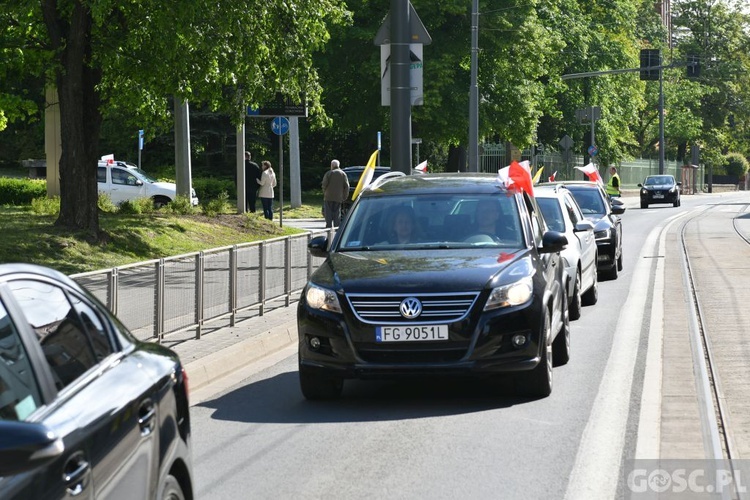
(517, 176)
(552, 177)
(422, 167)
(591, 171)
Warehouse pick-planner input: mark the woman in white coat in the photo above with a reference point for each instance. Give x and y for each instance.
(267, 182)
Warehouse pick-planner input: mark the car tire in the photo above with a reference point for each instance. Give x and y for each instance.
(619, 262)
(161, 201)
(644, 204)
(171, 489)
(561, 344)
(538, 383)
(317, 387)
(575, 300)
(591, 296)
(676, 203)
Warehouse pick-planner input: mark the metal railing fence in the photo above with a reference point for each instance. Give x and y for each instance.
(162, 296)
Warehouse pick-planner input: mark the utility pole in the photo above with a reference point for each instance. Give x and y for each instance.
(400, 88)
(474, 92)
(661, 115)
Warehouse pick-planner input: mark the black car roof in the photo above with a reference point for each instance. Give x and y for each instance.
(438, 183)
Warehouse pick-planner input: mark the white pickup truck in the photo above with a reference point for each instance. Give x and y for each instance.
(123, 182)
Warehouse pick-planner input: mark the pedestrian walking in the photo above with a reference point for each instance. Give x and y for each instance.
(252, 176)
(335, 191)
(267, 182)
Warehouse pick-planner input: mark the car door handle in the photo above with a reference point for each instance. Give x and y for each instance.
(146, 417)
(75, 481)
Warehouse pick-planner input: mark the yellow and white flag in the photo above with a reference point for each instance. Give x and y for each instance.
(367, 173)
(538, 174)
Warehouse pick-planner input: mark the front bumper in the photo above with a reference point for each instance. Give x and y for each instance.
(475, 347)
(659, 197)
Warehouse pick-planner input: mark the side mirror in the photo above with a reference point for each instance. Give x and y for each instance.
(618, 209)
(553, 241)
(138, 182)
(583, 225)
(318, 246)
(640, 185)
(25, 446)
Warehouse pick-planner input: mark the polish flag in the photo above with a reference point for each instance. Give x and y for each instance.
(591, 170)
(552, 177)
(517, 177)
(422, 167)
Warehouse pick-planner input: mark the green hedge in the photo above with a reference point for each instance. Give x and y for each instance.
(15, 191)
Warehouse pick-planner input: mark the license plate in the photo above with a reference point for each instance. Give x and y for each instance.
(411, 333)
(658, 196)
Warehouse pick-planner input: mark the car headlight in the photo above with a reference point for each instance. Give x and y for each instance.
(603, 235)
(323, 299)
(513, 294)
(644, 191)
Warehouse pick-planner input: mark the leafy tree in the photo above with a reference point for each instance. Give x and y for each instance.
(109, 56)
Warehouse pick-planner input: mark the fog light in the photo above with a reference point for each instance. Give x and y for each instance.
(315, 343)
(519, 340)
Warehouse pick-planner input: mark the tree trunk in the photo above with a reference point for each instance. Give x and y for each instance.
(80, 116)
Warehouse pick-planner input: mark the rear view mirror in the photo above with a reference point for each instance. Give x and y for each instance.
(25, 446)
(318, 246)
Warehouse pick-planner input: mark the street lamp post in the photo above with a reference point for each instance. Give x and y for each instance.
(474, 92)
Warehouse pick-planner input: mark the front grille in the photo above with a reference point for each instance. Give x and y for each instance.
(426, 354)
(383, 309)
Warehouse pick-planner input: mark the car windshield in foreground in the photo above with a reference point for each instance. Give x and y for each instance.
(433, 221)
(658, 180)
(589, 199)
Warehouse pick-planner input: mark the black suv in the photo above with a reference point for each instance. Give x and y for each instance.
(435, 274)
(86, 410)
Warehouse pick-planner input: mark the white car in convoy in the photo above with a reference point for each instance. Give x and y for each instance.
(562, 213)
(125, 182)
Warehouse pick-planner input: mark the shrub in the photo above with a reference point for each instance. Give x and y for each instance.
(46, 206)
(137, 206)
(15, 191)
(180, 205)
(216, 206)
(736, 164)
(104, 203)
(210, 188)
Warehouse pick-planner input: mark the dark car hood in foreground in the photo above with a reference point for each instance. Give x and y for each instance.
(418, 270)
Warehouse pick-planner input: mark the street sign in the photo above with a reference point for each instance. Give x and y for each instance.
(417, 31)
(280, 125)
(566, 142)
(280, 107)
(416, 95)
(593, 150)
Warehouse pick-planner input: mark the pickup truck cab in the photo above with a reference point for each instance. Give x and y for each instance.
(125, 183)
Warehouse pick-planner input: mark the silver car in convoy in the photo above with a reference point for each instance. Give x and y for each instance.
(562, 214)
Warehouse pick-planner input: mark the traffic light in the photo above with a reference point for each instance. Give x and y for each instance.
(693, 66)
(650, 58)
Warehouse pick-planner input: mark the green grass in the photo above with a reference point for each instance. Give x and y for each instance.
(128, 238)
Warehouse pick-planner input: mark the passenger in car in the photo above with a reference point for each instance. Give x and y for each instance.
(403, 226)
(488, 220)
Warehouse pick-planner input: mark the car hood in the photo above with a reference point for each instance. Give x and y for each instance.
(600, 222)
(422, 271)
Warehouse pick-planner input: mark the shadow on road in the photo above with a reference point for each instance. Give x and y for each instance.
(279, 400)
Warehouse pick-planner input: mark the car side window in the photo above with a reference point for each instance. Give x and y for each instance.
(64, 339)
(120, 176)
(101, 174)
(573, 210)
(19, 391)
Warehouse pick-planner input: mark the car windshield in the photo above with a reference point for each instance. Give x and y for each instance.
(433, 221)
(552, 213)
(141, 175)
(589, 199)
(658, 180)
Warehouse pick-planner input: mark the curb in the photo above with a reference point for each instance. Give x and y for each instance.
(216, 365)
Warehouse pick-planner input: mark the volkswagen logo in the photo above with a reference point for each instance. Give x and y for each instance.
(410, 307)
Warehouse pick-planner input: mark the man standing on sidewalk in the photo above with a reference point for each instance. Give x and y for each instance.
(252, 176)
(335, 191)
(613, 184)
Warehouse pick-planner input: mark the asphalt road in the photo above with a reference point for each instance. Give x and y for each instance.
(434, 439)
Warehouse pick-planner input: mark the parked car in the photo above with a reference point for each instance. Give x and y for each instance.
(660, 189)
(86, 410)
(126, 183)
(445, 298)
(562, 214)
(595, 206)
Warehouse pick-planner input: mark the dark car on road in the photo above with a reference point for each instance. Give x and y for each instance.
(435, 275)
(86, 410)
(597, 207)
(354, 173)
(660, 189)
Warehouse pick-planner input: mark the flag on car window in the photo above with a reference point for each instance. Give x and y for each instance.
(517, 176)
(538, 175)
(366, 177)
(422, 167)
(552, 177)
(591, 171)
